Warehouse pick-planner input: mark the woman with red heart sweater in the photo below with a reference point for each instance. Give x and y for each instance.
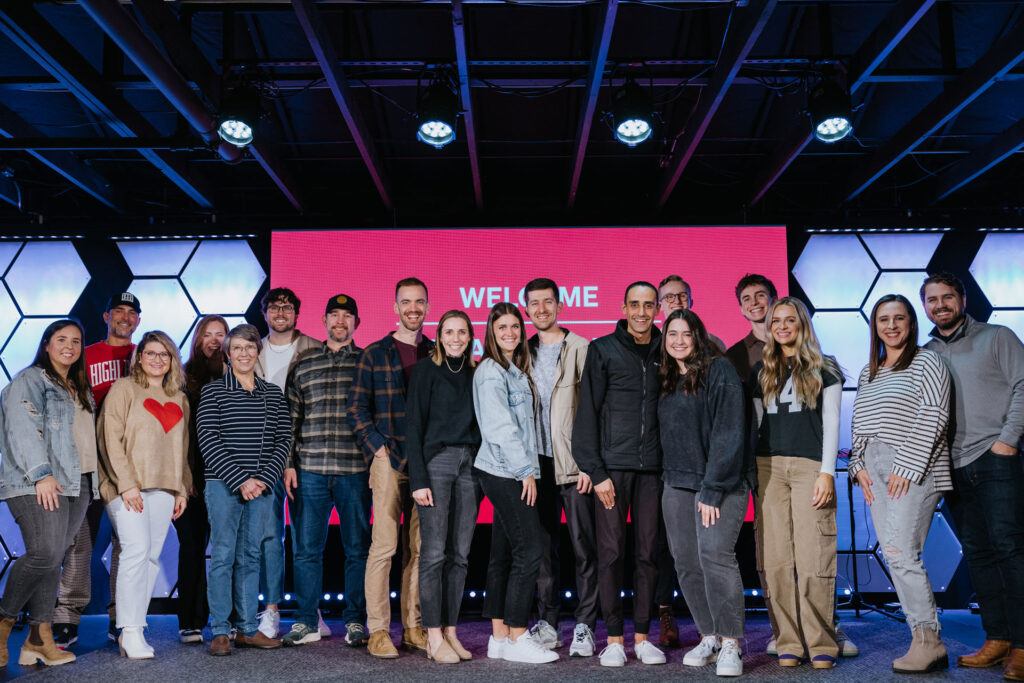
(144, 475)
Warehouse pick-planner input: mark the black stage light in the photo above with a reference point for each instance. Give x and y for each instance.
(238, 116)
(829, 106)
(436, 112)
(632, 112)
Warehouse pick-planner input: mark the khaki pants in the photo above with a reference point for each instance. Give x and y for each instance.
(796, 538)
(392, 500)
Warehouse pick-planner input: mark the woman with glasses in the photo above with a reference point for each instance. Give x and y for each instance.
(144, 475)
(244, 437)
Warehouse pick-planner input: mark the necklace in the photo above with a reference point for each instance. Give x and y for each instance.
(287, 347)
(454, 372)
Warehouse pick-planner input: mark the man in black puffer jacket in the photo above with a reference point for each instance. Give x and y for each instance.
(615, 441)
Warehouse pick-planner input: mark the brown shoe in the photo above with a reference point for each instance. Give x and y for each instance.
(380, 645)
(220, 647)
(5, 631)
(464, 654)
(1014, 670)
(415, 638)
(444, 654)
(991, 653)
(39, 647)
(926, 654)
(669, 636)
(257, 640)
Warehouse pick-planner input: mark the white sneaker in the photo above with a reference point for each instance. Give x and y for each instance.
(729, 662)
(270, 623)
(647, 653)
(705, 652)
(546, 635)
(496, 648)
(321, 625)
(582, 642)
(613, 655)
(528, 651)
(847, 648)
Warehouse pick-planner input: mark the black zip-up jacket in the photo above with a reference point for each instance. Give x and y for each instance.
(617, 417)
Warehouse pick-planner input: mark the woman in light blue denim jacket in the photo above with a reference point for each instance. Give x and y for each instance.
(48, 477)
(508, 469)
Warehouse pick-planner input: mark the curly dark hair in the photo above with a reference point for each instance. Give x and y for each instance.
(697, 363)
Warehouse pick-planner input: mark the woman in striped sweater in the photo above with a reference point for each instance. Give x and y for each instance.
(901, 461)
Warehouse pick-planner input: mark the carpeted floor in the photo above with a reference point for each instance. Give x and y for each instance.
(880, 640)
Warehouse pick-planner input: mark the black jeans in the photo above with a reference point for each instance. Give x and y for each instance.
(446, 534)
(579, 517)
(640, 491)
(988, 508)
(47, 535)
(193, 529)
(549, 509)
(516, 549)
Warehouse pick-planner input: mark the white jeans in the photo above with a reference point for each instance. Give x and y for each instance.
(142, 537)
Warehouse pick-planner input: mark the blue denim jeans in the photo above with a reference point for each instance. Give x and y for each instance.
(236, 527)
(272, 550)
(311, 510)
(988, 507)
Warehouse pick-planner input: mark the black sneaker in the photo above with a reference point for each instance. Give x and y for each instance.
(113, 632)
(65, 635)
(355, 635)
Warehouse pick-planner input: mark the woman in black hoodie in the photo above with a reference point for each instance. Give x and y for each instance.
(708, 474)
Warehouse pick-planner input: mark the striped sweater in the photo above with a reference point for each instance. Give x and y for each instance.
(908, 411)
(243, 434)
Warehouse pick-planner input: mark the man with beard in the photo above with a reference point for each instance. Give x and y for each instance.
(615, 441)
(105, 362)
(326, 468)
(282, 348)
(376, 412)
(206, 363)
(675, 294)
(986, 363)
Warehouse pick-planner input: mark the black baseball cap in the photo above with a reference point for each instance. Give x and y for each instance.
(124, 299)
(344, 302)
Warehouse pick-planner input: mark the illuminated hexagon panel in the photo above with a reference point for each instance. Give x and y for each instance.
(998, 269)
(21, 348)
(846, 413)
(907, 283)
(8, 316)
(835, 271)
(164, 307)
(7, 252)
(53, 264)
(223, 276)
(902, 250)
(844, 334)
(157, 258)
(1012, 319)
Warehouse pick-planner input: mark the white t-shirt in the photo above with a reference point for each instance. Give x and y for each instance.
(279, 357)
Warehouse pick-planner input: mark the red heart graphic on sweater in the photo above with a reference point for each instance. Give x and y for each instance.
(168, 413)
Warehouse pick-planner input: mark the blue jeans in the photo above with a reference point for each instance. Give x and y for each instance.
(988, 507)
(236, 527)
(272, 550)
(314, 498)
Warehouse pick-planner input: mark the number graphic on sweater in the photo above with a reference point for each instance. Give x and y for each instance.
(788, 397)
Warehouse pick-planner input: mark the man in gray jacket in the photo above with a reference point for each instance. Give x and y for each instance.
(986, 363)
(558, 357)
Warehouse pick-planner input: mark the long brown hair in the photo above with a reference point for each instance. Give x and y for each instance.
(199, 369)
(521, 356)
(174, 380)
(877, 352)
(77, 381)
(438, 354)
(697, 363)
(807, 364)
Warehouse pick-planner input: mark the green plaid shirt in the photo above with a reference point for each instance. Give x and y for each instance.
(322, 440)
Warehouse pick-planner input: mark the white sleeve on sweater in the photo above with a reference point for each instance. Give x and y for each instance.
(831, 402)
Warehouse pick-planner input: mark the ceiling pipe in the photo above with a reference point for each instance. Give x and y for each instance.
(128, 36)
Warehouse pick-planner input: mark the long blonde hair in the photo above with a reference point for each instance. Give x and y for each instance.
(805, 366)
(174, 380)
(438, 354)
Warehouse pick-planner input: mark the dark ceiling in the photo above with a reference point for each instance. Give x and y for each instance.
(107, 110)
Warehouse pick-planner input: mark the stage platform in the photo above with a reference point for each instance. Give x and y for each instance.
(880, 640)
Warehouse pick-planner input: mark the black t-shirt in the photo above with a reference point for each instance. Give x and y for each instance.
(789, 428)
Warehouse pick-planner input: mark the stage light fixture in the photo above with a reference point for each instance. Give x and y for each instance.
(831, 114)
(632, 112)
(436, 114)
(238, 116)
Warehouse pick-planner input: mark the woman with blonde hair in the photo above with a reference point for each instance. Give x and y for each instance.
(797, 396)
(144, 475)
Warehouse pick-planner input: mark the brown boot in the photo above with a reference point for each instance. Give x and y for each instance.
(5, 631)
(1014, 670)
(414, 638)
(991, 653)
(669, 636)
(926, 653)
(39, 647)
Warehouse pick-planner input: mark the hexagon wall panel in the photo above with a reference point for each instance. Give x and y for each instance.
(53, 264)
(223, 276)
(164, 307)
(907, 283)
(902, 250)
(998, 269)
(8, 316)
(7, 252)
(1012, 319)
(844, 334)
(161, 257)
(835, 271)
(21, 348)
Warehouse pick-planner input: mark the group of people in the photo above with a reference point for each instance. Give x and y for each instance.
(664, 427)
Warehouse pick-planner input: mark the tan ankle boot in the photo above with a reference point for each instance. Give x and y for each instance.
(926, 653)
(5, 631)
(39, 646)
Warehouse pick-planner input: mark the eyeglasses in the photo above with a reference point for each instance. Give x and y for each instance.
(154, 355)
(672, 298)
(287, 308)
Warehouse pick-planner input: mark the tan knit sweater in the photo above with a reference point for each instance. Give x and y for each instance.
(143, 440)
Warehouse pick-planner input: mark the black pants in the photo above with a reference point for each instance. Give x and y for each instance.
(549, 509)
(516, 549)
(579, 517)
(193, 529)
(640, 491)
(664, 591)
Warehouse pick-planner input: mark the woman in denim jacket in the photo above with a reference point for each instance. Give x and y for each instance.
(48, 477)
(503, 400)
